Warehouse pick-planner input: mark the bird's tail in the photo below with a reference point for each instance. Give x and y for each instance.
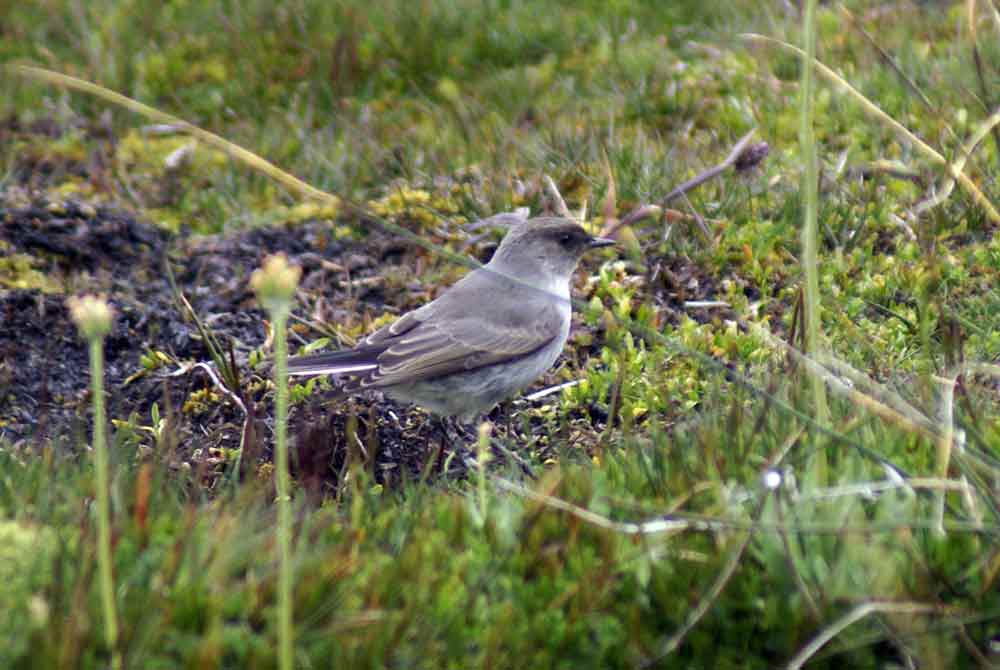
(351, 361)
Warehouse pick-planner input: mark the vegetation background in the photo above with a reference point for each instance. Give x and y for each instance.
(689, 503)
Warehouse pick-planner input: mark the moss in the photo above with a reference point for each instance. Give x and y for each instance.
(415, 204)
(21, 271)
(307, 211)
(27, 553)
(147, 154)
(200, 401)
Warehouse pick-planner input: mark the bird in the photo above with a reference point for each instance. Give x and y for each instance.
(483, 340)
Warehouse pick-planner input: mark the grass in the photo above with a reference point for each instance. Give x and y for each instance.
(810, 227)
(435, 112)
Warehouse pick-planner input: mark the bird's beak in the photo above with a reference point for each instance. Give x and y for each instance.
(598, 242)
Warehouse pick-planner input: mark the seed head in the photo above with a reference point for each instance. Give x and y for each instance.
(275, 282)
(92, 315)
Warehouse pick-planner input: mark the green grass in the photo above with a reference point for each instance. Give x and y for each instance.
(371, 102)
(418, 577)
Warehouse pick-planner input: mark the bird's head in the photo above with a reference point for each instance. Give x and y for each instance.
(546, 246)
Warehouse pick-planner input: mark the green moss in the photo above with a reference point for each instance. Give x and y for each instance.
(27, 554)
(21, 271)
(200, 401)
(147, 154)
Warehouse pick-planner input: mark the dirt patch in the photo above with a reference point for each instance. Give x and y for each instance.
(107, 250)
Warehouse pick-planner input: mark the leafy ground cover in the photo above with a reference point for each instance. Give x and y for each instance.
(664, 511)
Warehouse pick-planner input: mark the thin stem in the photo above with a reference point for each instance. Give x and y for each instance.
(810, 234)
(283, 485)
(483, 445)
(103, 502)
(855, 615)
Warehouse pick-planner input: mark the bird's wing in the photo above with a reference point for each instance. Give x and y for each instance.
(483, 320)
(481, 323)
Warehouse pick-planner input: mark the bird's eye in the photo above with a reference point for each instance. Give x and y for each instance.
(566, 240)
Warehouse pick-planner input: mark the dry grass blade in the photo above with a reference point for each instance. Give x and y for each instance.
(874, 488)
(557, 200)
(735, 155)
(742, 156)
(977, 137)
(876, 112)
(855, 615)
(627, 528)
(234, 150)
(501, 219)
(905, 416)
(609, 208)
(613, 225)
(873, 389)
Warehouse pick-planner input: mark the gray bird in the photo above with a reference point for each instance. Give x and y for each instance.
(487, 337)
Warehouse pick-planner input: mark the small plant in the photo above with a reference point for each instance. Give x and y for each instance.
(92, 316)
(275, 285)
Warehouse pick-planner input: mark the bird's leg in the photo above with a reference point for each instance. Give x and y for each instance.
(446, 441)
(514, 456)
(508, 412)
(451, 441)
(452, 431)
(442, 422)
